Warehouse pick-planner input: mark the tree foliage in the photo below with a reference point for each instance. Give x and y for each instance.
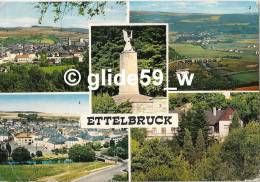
(90, 8)
(188, 148)
(81, 153)
(3, 154)
(104, 103)
(32, 78)
(21, 154)
(200, 146)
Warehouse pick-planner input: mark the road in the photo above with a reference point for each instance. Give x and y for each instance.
(103, 175)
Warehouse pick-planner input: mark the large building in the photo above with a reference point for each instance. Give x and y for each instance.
(24, 138)
(166, 132)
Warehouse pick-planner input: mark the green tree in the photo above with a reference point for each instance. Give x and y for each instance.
(3, 155)
(212, 167)
(39, 153)
(60, 8)
(105, 104)
(188, 148)
(43, 59)
(21, 154)
(138, 134)
(200, 147)
(106, 145)
(247, 106)
(154, 153)
(241, 151)
(8, 148)
(235, 121)
(193, 121)
(112, 143)
(96, 146)
(81, 153)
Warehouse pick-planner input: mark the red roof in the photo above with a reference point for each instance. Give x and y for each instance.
(226, 116)
(25, 56)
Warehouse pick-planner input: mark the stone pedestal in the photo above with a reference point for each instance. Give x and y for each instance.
(128, 62)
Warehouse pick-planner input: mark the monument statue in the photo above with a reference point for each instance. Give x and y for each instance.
(128, 46)
(128, 64)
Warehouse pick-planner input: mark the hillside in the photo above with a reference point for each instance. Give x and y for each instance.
(49, 32)
(194, 22)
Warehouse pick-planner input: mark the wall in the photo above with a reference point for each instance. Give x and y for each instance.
(157, 105)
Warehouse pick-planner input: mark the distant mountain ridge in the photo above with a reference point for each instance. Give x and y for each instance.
(183, 14)
(76, 30)
(199, 22)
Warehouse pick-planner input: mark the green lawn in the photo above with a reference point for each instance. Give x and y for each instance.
(51, 69)
(60, 172)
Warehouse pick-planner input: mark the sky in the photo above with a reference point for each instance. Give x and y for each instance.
(75, 103)
(208, 7)
(23, 14)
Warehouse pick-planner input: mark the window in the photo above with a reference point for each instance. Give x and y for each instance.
(154, 131)
(226, 127)
(163, 130)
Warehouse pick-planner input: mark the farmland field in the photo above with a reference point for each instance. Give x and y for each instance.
(246, 77)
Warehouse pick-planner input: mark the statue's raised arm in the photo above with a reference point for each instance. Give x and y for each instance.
(128, 46)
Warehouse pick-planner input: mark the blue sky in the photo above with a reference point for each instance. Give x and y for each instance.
(76, 103)
(209, 7)
(23, 14)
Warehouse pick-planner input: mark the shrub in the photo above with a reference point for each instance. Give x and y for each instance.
(105, 104)
(39, 153)
(81, 153)
(21, 154)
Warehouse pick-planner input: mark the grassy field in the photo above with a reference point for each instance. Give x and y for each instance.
(195, 51)
(51, 69)
(234, 65)
(45, 172)
(246, 77)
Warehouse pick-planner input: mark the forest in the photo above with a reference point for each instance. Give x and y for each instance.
(194, 155)
(41, 77)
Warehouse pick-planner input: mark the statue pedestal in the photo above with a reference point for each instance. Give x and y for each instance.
(128, 62)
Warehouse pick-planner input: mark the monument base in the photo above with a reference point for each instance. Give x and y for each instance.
(133, 98)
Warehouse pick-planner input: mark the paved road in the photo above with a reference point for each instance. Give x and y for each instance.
(103, 175)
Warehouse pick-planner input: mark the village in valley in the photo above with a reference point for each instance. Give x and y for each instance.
(48, 136)
(35, 137)
(44, 53)
(37, 46)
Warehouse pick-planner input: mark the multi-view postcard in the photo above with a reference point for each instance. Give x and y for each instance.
(129, 91)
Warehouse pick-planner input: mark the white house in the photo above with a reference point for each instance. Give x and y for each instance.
(4, 135)
(24, 138)
(219, 121)
(25, 58)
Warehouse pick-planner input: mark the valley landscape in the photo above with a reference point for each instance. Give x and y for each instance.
(220, 49)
